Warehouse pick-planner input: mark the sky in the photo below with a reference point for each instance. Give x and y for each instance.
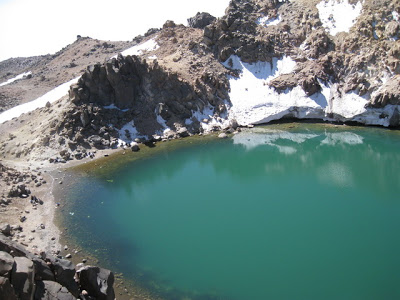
(38, 27)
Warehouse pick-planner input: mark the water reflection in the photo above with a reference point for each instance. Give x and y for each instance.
(260, 136)
(342, 138)
(335, 174)
(205, 205)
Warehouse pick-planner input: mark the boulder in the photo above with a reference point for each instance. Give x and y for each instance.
(64, 272)
(22, 278)
(392, 29)
(46, 290)
(42, 270)
(5, 229)
(201, 20)
(169, 24)
(97, 282)
(84, 117)
(6, 289)
(19, 191)
(135, 147)
(6, 263)
(95, 140)
(183, 132)
(222, 135)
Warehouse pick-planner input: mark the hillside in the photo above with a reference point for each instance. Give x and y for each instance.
(262, 61)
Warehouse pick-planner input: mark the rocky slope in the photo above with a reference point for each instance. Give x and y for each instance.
(49, 71)
(24, 275)
(262, 61)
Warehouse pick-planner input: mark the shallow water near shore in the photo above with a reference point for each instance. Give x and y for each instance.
(290, 211)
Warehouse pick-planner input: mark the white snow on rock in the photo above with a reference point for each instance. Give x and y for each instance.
(149, 45)
(348, 105)
(395, 15)
(208, 120)
(113, 106)
(128, 133)
(254, 102)
(18, 77)
(265, 21)
(338, 15)
(163, 123)
(51, 96)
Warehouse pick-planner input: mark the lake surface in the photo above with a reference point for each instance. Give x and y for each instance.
(309, 212)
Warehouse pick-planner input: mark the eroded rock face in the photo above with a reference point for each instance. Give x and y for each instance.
(201, 20)
(24, 275)
(6, 263)
(97, 282)
(140, 92)
(22, 278)
(47, 290)
(64, 272)
(6, 289)
(388, 94)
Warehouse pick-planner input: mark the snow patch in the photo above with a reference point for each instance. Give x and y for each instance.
(265, 21)
(208, 120)
(348, 105)
(112, 106)
(395, 15)
(51, 96)
(254, 102)
(128, 133)
(164, 125)
(149, 45)
(18, 77)
(338, 15)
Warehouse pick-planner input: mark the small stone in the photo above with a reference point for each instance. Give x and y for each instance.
(68, 255)
(222, 135)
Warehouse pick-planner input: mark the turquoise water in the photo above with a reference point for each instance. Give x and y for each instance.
(306, 213)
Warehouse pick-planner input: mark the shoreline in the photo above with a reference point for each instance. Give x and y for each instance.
(53, 237)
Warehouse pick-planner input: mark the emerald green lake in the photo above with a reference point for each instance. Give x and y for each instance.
(310, 212)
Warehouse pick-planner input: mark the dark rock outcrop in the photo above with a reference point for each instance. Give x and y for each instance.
(138, 92)
(388, 94)
(22, 278)
(201, 20)
(46, 290)
(24, 275)
(64, 272)
(6, 289)
(6, 263)
(97, 282)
